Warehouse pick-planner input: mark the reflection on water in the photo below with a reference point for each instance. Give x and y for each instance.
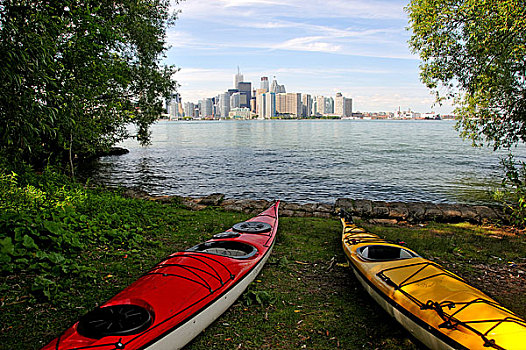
(306, 161)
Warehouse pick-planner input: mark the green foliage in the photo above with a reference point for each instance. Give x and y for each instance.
(46, 225)
(74, 73)
(474, 52)
(262, 298)
(513, 192)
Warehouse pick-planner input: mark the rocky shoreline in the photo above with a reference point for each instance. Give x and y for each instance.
(372, 211)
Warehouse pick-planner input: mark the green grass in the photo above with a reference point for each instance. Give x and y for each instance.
(303, 298)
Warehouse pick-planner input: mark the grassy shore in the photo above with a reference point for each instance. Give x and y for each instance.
(304, 297)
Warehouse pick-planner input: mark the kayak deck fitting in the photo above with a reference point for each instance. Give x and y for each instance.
(181, 295)
(438, 307)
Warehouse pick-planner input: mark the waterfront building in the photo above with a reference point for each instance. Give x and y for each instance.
(329, 105)
(289, 104)
(264, 84)
(224, 105)
(174, 106)
(235, 100)
(245, 90)
(269, 105)
(239, 113)
(342, 106)
(276, 88)
(306, 102)
(237, 78)
(206, 108)
(320, 105)
(189, 109)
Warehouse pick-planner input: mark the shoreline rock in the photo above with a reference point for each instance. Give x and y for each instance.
(372, 211)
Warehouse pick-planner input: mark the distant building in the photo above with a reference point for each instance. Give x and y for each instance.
(239, 113)
(264, 84)
(224, 104)
(306, 102)
(237, 78)
(174, 106)
(235, 100)
(206, 108)
(320, 105)
(245, 90)
(329, 106)
(270, 105)
(289, 104)
(189, 110)
(342, 106)
(276, 88)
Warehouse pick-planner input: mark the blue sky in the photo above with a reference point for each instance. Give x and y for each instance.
(319, 47)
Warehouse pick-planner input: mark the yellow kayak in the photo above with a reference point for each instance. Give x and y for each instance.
(438, 307)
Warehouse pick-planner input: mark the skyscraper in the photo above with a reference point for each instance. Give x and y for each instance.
(270, 105)
(264, 84)
(289, 104)
(276, 88)
(237, 78)
(245, 89)
(342, 106)
(224, 104)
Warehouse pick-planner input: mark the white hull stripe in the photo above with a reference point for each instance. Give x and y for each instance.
(188, 329)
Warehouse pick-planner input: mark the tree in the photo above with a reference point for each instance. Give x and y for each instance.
(75, 73)
(474, 52)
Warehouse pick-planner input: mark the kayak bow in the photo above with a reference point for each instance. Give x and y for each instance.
(438, 307)
(181, 295)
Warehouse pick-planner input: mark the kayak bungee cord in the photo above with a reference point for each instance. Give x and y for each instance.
(435, 305)
(181, 295)
(450, 321)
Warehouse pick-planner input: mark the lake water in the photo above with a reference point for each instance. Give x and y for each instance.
(307, 161)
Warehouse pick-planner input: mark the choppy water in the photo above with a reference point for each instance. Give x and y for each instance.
(306, 161)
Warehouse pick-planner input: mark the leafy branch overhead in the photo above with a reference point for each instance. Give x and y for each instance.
(474, 52)
(74, 73)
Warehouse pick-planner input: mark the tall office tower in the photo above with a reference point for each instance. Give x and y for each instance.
(264, 84)
(342, 106)
(235, 100)
(329, 105)
(306, 101)
(174, 106)
(245, 89)
(253, 104)
(320, 105)
(224, 104)
(206, 107)
(189, 109)
(270, 105)
(276, 88)
(260, 103)
(347, 108)
(237, 78)
(339, 103)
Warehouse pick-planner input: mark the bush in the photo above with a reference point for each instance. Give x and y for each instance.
(47, 221)
(513, 192)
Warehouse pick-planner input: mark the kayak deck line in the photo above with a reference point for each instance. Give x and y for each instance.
(408, 287)
(179, 296)
(450, 321)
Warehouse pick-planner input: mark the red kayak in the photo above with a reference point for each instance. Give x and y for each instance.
(180, 296)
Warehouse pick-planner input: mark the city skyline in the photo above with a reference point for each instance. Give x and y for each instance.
(358, 48)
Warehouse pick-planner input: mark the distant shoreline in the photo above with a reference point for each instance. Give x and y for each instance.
(448, 118)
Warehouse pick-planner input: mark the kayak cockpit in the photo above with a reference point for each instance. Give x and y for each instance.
(231, 249)
(379, 252)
